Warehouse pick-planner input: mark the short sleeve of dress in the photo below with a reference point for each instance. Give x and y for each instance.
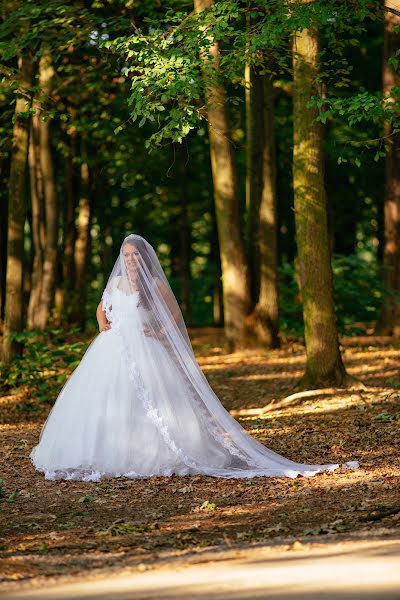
(107, 297)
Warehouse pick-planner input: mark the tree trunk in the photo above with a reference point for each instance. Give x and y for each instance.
(262, 324)
(218, 307)
(389, 320)
(82, 245)
(254, 172)
(4, 177)
(46, 74)
(16, 217)
(324, 363)
(37, 226)
(234, 273)
(67, 264)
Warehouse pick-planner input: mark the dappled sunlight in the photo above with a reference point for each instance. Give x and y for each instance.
(53, 526)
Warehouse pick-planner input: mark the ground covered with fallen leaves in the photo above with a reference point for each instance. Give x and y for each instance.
(51, 529)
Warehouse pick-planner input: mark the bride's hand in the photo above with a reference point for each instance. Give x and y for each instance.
(105, 327)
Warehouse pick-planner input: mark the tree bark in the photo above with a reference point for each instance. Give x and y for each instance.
(82, 244)
(44, 207)
(234, 273)
(218, 307)
(324, 366)
(262, 324)
(37, 226)
(4, 177)
(46, 74)
(71, 195)
(16, 217)
(254, 172)
(389, 319)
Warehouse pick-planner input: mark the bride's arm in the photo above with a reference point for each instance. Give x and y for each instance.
(104, 325)
(170, 301)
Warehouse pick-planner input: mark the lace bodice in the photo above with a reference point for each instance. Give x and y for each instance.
(124, 306)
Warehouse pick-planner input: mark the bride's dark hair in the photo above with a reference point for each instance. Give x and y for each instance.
(140, 245)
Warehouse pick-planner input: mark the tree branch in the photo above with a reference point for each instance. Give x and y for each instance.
(392, 10)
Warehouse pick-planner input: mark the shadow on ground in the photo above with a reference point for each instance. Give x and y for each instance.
(62, 528)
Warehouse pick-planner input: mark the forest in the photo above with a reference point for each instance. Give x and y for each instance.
(255, 145)
(229, 135)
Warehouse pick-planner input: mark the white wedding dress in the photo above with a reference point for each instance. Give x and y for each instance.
(134, 408)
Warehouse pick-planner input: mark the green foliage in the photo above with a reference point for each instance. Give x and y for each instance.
(46, 362)
(291, 313)
(130, 78)
(170, 66)
(361, 109)
(358, 294)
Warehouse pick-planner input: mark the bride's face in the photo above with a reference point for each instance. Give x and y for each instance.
(131, 257)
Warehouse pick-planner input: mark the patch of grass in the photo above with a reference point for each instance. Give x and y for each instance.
(13, 496)
(120, 527)
(86, 499)
(386, 417)
(207, 506)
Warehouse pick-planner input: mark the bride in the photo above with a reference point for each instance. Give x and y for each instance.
(138, 404)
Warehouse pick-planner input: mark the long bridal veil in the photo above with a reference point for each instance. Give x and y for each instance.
(161, 365)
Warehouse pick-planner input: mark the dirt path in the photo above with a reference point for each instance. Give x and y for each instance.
(52, 529)
(341, 571)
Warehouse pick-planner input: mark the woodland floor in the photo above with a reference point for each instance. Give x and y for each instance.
(50, 529)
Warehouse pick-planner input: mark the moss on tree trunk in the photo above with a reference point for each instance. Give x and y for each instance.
(324, 363)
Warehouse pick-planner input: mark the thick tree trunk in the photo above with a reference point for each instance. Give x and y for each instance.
(254, 173)
(4, 177)
(46, 73)
(389, 320)
(234, 277)
(218, 307)
(324, 363)
(262, 324)
(16, 218)
(69, 231)
(44, 209)
(37, 225)
(82, 245)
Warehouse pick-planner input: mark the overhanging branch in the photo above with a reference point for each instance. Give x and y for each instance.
(394, 11)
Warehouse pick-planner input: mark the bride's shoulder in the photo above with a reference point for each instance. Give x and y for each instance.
(113, 283)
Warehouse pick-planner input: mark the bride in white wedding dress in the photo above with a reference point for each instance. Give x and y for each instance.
(138, 404)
